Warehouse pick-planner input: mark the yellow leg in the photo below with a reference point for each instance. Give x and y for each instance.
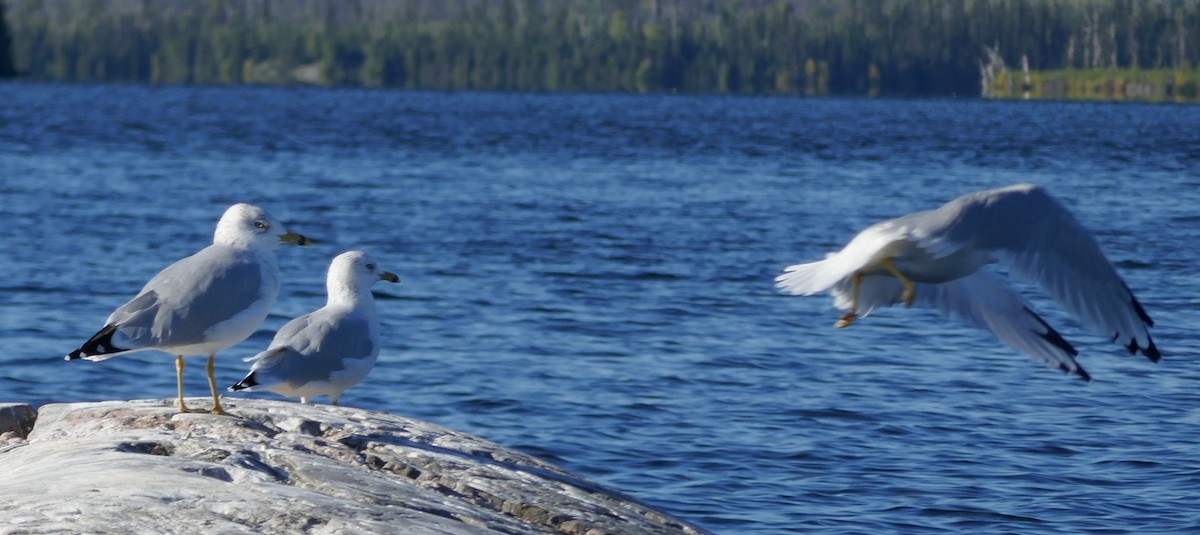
(849, 317)
(910, 289)
(179, 382)
(212, 384)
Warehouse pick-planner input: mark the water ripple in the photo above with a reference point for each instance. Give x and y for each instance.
(587, 278)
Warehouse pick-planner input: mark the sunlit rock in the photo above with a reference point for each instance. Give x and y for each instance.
(280, 467)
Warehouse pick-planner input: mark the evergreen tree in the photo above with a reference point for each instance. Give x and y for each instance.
(803, 47)
(6, 59)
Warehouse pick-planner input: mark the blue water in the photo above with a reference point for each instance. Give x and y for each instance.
(588, 278)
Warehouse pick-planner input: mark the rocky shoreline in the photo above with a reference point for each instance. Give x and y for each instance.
(282, 467)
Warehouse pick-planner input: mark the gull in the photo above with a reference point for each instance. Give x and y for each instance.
(203, 303)
(330, 349)
(935, 259)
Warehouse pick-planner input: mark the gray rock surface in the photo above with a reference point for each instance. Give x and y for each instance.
(282, 467)
(16, 420)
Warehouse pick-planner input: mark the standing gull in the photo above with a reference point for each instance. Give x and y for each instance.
(330, 349)
(203, 303)
(934, 258)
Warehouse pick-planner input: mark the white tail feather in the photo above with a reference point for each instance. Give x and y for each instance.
(813, 277)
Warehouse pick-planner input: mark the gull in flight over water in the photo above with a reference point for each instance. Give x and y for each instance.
(331, 349)
(203, 303)
(935, 259)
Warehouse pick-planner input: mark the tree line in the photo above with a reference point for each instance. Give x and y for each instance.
(6, 60)
(812, 47)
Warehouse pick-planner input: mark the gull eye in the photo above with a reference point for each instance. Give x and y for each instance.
(370, 267)
(260, 224)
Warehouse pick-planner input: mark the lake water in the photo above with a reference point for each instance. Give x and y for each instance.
(588, 278)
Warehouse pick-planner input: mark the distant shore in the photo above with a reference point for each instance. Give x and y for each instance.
(898, 48)
(1142, 85)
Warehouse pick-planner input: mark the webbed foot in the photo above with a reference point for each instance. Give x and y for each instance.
(846, 320)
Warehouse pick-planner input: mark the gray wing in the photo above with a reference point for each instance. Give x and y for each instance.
(1043, 242)
(189, 297)
(983, 300)
(293, 330)
(311, 348)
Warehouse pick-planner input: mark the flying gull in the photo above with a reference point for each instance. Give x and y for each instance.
(935, 259)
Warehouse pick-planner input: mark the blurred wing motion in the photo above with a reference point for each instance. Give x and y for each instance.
(1041, 241)
(934, 258)
(981, 299)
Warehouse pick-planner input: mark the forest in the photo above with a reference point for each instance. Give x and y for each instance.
(6, 59)
(802, 47)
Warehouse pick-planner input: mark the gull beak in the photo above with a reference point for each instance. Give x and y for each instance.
(389, 276)
(295, 239)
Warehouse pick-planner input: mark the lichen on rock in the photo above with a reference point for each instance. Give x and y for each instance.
(280, 467)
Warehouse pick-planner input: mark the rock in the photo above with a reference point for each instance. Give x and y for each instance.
(281, 467)
(17, 418)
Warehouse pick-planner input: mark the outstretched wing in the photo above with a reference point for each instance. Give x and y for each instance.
(981, 299)
(1043, 242)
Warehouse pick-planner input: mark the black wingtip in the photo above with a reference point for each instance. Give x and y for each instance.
(1137, 307)
(1150, 351)
(1053, 337)
(1058, 341)
(99, 344)
(1082, 373)
(249, 382)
